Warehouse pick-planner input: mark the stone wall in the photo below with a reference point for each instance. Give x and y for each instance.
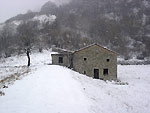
(95, 57)
(66, 59)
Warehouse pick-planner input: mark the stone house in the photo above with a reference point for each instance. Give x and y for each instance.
(94, 61)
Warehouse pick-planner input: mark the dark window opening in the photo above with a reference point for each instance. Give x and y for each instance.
(85, 59)
(105, 72)
(108, 60)
(60, 59)
(84, 72)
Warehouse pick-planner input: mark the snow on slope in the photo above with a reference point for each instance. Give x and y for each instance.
(21, 60)
(16, 22)
(15, 64)
(44, 18)
(56, 89)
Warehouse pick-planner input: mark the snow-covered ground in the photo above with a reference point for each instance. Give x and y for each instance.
(17, 64)
(56, 89)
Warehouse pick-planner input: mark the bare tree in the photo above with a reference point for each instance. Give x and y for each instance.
(28, 55)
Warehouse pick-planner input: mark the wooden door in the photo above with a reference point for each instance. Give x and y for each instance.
(96, 73)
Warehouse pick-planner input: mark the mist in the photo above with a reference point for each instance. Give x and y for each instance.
(10, 8)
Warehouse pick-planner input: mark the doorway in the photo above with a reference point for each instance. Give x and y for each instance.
(96, 73)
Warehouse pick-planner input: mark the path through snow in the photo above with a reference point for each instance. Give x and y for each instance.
(50, 89)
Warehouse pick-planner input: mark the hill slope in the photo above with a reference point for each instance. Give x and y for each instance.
(120, 25)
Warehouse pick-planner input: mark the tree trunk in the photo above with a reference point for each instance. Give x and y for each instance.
(28, 55)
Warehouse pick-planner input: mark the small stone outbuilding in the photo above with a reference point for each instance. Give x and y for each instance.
(94, 61)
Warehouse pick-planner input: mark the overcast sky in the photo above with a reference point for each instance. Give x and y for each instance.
(10, 8)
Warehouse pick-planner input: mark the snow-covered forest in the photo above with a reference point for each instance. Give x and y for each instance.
(120, 25)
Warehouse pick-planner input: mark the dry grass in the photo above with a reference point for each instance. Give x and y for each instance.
(9, 80)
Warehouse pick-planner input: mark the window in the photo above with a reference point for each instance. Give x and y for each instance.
(84, 72)
(85, 59)
(60, 59)
(105, 72)
(107, 60)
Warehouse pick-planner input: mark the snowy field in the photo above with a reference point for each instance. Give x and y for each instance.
(17, 64)
(55, 89)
